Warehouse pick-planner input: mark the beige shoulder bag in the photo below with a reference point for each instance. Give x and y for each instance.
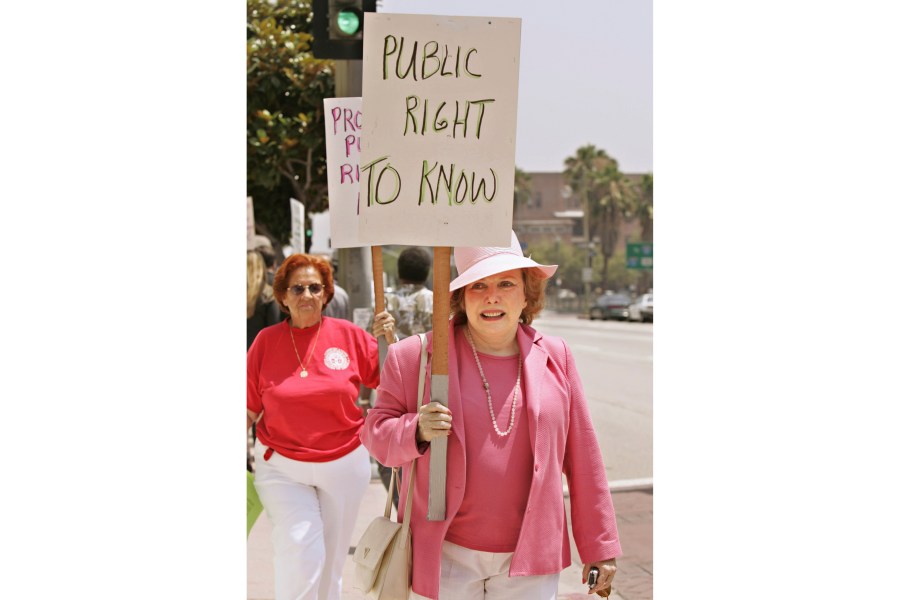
(383, 555)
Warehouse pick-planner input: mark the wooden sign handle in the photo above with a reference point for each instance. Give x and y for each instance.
(440, 382)
(441, 315)
(378, 276)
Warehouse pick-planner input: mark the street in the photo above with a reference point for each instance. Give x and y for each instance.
(615, 361)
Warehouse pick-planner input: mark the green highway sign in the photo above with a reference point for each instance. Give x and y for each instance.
(639, 255)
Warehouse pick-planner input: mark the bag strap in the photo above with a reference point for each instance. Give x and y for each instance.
(407, 513)
(422, 362)
(387, 506)
(412, 472)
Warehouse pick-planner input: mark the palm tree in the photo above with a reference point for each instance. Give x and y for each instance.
(643, 207)
(611, 198)
(642, 210)
(606, 195)
(521, 188)
(578, 175)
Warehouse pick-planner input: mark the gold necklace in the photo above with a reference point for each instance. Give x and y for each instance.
(303, 372)
(487, 388)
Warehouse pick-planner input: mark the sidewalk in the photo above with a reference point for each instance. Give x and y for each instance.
(634, 578)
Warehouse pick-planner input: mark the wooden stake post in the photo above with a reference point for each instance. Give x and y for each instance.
(440, 382)
(378, 277)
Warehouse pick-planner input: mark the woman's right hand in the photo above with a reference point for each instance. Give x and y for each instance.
(434, 421)
(384, 325)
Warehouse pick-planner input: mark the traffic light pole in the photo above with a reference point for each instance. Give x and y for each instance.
(347, 78)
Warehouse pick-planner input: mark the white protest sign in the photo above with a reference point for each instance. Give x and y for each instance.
(298, 233)
(343, 120)
(320, 223)
(438, 158)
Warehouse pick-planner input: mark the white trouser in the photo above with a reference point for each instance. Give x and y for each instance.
(475, 575)
(312, 507)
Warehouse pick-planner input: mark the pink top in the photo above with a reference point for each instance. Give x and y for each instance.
(562, 441)
(496, 495)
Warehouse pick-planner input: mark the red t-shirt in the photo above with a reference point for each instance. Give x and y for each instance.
(313, 418)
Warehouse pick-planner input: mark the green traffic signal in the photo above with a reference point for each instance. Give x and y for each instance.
(348, 22)
(338, 27)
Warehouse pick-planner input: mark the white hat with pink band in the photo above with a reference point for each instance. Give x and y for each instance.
(474, 263)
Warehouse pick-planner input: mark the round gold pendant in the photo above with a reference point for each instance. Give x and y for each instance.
(303, 373)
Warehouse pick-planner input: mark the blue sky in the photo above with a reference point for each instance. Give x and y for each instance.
(585, 77)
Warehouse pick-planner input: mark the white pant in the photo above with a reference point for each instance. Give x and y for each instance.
(475, 575)
(312, 507)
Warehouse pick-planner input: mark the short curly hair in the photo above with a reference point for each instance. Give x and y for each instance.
(534, 298)
(298, 261)
(413, 265)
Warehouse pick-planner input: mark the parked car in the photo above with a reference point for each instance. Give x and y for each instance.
(641, 309)
(610, 306)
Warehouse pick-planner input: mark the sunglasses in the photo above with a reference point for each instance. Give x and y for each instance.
(314, 288)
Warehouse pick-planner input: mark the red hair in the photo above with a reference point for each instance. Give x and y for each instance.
(298, 261)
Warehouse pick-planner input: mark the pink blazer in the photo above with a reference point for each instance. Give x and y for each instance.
(562, 441)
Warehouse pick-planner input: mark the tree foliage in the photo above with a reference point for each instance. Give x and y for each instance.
(570, 259)
(285, 114)
(643, 207)
(619, 277)
(607, 197)
(521, 188)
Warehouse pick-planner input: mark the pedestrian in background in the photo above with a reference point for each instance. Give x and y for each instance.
(263, 245)
(517, 420)
(262, 310)
(339, 307)
(412, 303)
(303, 378)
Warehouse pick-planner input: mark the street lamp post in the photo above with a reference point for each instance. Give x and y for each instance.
(588, 273)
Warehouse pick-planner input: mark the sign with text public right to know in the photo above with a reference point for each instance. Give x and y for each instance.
(440, 97)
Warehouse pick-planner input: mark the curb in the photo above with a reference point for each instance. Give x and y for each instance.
(631, 485)
(623, 485)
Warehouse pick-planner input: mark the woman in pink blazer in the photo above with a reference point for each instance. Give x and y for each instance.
(517, 420)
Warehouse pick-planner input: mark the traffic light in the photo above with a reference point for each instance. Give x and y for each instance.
(346, 19)
(338, 28)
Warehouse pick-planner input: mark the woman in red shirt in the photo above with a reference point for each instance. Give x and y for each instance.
(303, 378)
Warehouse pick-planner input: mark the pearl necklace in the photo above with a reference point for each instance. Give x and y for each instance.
(487, 388)
(303, 372)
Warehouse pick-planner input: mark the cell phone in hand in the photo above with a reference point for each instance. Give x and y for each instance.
(593, 575)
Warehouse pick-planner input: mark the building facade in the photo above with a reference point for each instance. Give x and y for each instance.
(552, 213)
